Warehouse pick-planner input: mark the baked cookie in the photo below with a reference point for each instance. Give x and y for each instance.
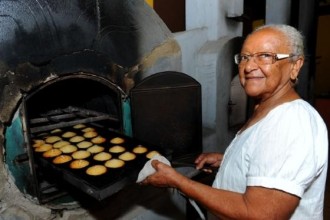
(52, 139)
(140, 149)
(62, 159)
(52, 153)
(102, 156)
(55, 131)
(43, 148)
(67, 149)
(88, 129)
(114, 163)
(96, 170)
(151, 154)
(98, 140)
(127, 156)
(117, 140)
(76, 139)
(90, 134)
(79, 126)
(38, 143)
(80, 154)
(60, 144)
(84, 144)
(95, 149)
(117, 149)
(79, 164)
(69, 134)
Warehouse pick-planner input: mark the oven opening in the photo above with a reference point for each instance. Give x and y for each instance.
(59, 105)
(74, 93)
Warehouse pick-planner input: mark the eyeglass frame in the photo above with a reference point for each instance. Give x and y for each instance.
(275, 57)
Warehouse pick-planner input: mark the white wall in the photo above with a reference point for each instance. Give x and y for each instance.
(212, 14)
(208, 30)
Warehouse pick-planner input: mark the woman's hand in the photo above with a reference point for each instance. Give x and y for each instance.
(165, 175)
(210, 159)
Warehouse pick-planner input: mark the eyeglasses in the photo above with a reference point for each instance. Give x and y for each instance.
(261, 58)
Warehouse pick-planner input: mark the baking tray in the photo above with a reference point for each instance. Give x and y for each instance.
(103, 186)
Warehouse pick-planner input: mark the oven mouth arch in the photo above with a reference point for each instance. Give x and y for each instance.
(78, 89)
(77, 75)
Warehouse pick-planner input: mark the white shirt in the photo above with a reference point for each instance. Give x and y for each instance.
(286, 150)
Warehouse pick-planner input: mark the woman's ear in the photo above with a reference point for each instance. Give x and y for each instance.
(297, 64)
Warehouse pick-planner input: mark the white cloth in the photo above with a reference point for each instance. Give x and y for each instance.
(286, 150)
(147, 169)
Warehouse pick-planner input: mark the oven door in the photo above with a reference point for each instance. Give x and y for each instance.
(166, 111)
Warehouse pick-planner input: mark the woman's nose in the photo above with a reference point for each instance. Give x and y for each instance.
(250, 65)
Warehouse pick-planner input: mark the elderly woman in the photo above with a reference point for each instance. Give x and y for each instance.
(276, 166)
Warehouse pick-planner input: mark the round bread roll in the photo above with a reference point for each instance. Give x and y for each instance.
(88, 129)
(140, 149)
(79, 126)
(38, 142)
(98, 140)
(102, 156)
(69, 134)
(96, 170)
(43, 148)
(95, 149)
(117, 140)
(67, 149)
(76, 139)
(90, 134)
(114, 163)
(84, 144)
(151, 154)
(52, 139)
(117, 149)
(127, 156)
(52, 153)
(80, 154)
(60, 144)
(79, 164)
(62, 159)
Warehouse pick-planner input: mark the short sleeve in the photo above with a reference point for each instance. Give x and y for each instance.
(286, 158)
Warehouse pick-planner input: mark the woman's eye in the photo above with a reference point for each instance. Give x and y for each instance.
(265, 55)
(244, 57)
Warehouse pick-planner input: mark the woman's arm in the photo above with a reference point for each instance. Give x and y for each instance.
(255, 203)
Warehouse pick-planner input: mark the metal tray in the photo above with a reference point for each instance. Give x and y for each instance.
(103, 186)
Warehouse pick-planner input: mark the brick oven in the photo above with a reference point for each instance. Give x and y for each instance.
(112, 64)
(109, 64)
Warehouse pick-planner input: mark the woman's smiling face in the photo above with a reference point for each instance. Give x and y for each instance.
(264, 81)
